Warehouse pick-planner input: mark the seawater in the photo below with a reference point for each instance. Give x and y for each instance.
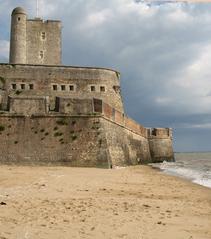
(195, 167)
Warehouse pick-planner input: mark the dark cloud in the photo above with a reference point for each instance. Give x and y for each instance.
(162, 51)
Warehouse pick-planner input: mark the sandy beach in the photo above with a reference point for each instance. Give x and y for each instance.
(133, 203)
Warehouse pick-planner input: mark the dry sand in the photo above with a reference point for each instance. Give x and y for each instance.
(133, 203)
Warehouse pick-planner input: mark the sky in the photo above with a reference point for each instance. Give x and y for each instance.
(163, 52)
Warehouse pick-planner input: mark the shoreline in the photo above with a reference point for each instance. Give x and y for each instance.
(177, 176)
(132, 203)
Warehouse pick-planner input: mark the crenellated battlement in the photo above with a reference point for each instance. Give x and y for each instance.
(159, 133)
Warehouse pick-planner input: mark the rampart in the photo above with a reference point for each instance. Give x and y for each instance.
(96, 136)
(60, 81)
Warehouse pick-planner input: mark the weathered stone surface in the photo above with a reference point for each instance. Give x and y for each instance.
(43, 79)
(34, 41)
(62, 115)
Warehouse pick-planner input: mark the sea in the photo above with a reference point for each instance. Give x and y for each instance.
(195, 167)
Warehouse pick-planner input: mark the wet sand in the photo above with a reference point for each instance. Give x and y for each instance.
(132, 203)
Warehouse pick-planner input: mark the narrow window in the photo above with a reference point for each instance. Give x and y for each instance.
(54, 87)
(92, 88)
(14, 86)
(43, 35)
(41, 54)
(31, 86)
(19, 18)
(22, 86)
(71, 87)
(102, 88)
(63, 87)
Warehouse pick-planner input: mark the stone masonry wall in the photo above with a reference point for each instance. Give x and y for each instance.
(73, 141)
(43, 41)
(160, 143)
(52, 81)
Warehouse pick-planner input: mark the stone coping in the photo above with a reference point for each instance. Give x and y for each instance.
(61, 66)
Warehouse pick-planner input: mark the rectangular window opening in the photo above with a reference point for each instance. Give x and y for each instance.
(71, 87)
(14, 86)
(43, 35)
(102, 88)
(22, 86)
(31, 86)
(41, 54)
(63, 87)
(54, 87)
(92, 88)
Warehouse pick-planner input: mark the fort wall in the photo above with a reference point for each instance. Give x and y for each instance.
(87, 141)
(160, 144)
(53, 81)
(96, 135)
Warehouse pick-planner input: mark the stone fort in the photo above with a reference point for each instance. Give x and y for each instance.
(63, 115)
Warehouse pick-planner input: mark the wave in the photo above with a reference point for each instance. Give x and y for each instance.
(200, 175)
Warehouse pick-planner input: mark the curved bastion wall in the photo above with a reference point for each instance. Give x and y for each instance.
(60, 81)
(160, 144)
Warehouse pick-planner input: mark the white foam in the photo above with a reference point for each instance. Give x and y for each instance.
(177, 169)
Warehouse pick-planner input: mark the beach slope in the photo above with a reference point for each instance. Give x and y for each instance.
(132, 203)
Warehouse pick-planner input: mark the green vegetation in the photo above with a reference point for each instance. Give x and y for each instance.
(2, 80)
(57, 134)
(118, 75)
(18, 92)
(2, 128)
(74, 137)
(62, 122)
(100, 141)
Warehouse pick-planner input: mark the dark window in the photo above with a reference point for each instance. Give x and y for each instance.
(19, 18)
(92, 88)
(63, 87)
(54, 87)
(102, 88)
(22, 86)
(43, 35)
(31, 86)
(71, 87)
(41, 54)
(14, 86)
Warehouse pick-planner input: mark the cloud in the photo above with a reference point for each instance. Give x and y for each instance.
(163, 52)
(4, 50)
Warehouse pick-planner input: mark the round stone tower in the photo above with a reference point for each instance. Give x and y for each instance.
(18, 36)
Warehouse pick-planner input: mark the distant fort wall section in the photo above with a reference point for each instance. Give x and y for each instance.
(54, 81)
